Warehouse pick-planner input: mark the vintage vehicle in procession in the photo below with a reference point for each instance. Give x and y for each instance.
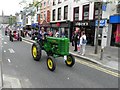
(15, 35)
(54, 47)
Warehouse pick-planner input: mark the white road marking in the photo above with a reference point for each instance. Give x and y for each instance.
(68, 78)
(27, 42)
(5, 42)
(9, 60)
(11, 50)
(7, 36)
(4, 50)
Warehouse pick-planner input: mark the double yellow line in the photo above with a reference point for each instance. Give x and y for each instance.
(98, 68)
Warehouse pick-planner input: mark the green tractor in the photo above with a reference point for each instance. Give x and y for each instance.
(54, 47)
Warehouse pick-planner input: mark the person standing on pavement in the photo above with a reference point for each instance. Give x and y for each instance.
(76, 39)
(83, 42)
(73, 34)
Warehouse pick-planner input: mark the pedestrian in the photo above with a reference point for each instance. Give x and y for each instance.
(72, 39)
(76, 38)
(57, 33)
(78, 42)
(83, 42)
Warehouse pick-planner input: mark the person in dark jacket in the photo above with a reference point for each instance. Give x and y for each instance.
(76, 38)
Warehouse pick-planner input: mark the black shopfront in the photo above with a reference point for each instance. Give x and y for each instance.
(89, 27)
(65, 26)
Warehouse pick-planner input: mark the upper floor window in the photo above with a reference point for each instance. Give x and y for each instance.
(53, 14)
(44, 3)
(86, 12)
(59, 13)
(53, 2)
(59, 1)
(66, 12)
(48, 2)
(96, 7)
(76, 13)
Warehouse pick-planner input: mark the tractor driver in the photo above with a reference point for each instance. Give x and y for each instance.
(42, 34)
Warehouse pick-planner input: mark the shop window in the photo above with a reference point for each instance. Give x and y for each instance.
(66, 12)
(76, 13)
(44, 15)
(86, 12)
(96, 10)
(53, 15)
(59, 13)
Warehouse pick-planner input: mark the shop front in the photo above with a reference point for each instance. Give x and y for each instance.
(115, 33)
(45, 25)
(89, 27)
(64, 28)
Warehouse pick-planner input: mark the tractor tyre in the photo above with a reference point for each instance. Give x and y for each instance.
(51, 63)
(36, 51)
(70, 60)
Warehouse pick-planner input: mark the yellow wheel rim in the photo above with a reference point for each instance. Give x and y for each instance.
(50, 63)
(69, 61)
(34, 52)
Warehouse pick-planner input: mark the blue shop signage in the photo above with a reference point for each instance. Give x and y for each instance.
(115, 19)
(102, 23)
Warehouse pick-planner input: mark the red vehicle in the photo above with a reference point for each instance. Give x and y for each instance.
(14, 35)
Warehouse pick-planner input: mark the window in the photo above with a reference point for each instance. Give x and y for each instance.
(76, 13)
(96, 10)
(37, 8)
(44, 3)
(86, 12)
(59, 13)
(53, 15)
(44, 15)
(53, 2)
(48, 2)
(59, 1)
(66, 12)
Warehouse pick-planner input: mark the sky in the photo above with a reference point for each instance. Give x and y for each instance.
(10, 7)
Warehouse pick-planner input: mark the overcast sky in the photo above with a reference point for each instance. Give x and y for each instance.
(10, 6)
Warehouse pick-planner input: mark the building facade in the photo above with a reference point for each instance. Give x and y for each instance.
(45, 14)
(61, 17)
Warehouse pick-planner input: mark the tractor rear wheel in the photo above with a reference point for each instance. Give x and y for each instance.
(51, 63)
(70, 60)
(36, 51)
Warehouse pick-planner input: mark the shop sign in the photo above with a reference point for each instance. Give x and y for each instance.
(102, 22)
(81, 23)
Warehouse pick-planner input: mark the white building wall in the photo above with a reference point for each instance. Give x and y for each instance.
(64, 3)
(91, 11)
(110, 10)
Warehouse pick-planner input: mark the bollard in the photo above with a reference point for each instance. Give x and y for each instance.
(101, 54)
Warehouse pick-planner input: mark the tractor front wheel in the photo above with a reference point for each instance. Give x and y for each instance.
(51, 63)
(70, 60)
(36, 51)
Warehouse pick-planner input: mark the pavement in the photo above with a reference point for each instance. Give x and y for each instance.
(110, 59)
